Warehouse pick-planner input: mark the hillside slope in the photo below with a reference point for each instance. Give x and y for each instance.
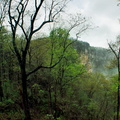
(98, 58)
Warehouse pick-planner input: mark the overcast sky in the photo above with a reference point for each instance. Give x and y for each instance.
(102, 13)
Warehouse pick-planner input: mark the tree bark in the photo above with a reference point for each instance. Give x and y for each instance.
(117, 55)
(25, 95)
(118, 97)
(118, 92)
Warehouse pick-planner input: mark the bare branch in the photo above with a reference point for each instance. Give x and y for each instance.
(113, 50)
(54, 10)
(18, 21)
(36, 4)
(24, 5)
(50, 13)
(33, 17)
(52, 66)
(45, 22)
(3, 11)
(14, 27)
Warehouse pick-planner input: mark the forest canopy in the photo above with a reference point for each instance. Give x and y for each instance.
(52, 77)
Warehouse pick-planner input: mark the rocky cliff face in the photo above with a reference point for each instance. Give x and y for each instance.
(98, 58)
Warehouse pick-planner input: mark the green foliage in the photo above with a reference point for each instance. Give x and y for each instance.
(66, 92)
(49, 117)
(12, 115)
(6, 102)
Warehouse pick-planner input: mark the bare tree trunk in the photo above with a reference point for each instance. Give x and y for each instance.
(118, 97)
(25, 95)
(117, 55)
(118, 92)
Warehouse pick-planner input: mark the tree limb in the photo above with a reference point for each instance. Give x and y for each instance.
(52, 66)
